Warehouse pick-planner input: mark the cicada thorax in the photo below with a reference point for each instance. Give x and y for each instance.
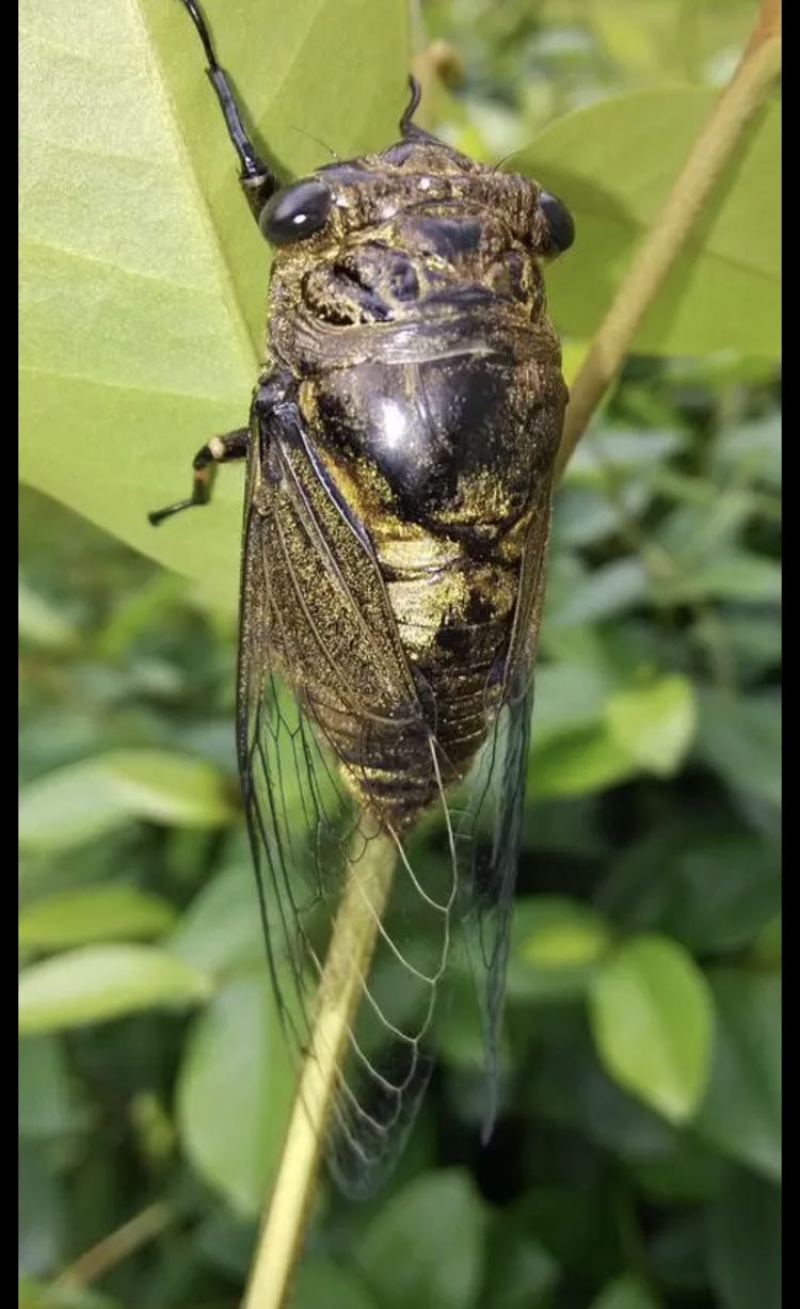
(428, 384)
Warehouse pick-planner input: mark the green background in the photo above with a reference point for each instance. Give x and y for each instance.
(636, 1162)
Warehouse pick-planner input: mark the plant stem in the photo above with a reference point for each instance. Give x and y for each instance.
(115, 1247)
(740, 100)
(366, 894)
(351, 947)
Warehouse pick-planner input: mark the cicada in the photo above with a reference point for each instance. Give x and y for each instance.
(400, 452)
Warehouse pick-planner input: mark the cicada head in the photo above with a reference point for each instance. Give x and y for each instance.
(407, 234)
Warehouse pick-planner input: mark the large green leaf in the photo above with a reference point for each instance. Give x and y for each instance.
(143, 277)
(614, 163)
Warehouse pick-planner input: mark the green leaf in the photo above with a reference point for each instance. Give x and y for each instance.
(409, 1254)
(235, 1090)
(568, 1086)
(568, 696)
(753, 450)
(88, 799)
(221, 931)
(585, 515)
(712, 886)
(613, 164)
(755, 637)
(609, 590)
(726, 891)
(143, 275)
(96, 983)
(655, 723)
(98, 913)
(614, 451)
(741, 739)
(46, 1105)
(555, 944)
(651, 1018)
(741, 1113)
(583, 760)
(573, 354)
(688, 1174)
(42, 1211)
(701, 533)
(732, 575)
(321, 1282)
(42, 623)
(624, 1293)
(744, 1244)
(521, 1272)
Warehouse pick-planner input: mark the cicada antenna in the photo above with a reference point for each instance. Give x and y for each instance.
(408, 129)
(258, 180)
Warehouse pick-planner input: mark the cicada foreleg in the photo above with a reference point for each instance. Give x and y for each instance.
(257, 179)
(219, 450)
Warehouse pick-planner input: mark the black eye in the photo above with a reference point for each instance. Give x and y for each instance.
(295, 213)
(560, 225)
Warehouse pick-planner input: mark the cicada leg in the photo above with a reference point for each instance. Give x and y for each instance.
(219, 450)
(257, 179)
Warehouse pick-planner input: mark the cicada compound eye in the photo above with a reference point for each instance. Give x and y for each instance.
(296, 212)
(560, 223)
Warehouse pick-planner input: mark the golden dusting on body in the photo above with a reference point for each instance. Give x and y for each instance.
(480, 498)
(407, 566)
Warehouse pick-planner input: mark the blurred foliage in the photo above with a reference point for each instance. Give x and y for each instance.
(637, 1157)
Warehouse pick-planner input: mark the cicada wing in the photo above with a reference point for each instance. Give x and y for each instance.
(489, 828)
(320, 788)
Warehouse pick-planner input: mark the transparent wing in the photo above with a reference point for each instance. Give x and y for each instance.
(317, 772)
(349, 759)
(490, 816)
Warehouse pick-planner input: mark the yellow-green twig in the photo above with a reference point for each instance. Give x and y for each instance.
(712, 150)
(351, 948)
